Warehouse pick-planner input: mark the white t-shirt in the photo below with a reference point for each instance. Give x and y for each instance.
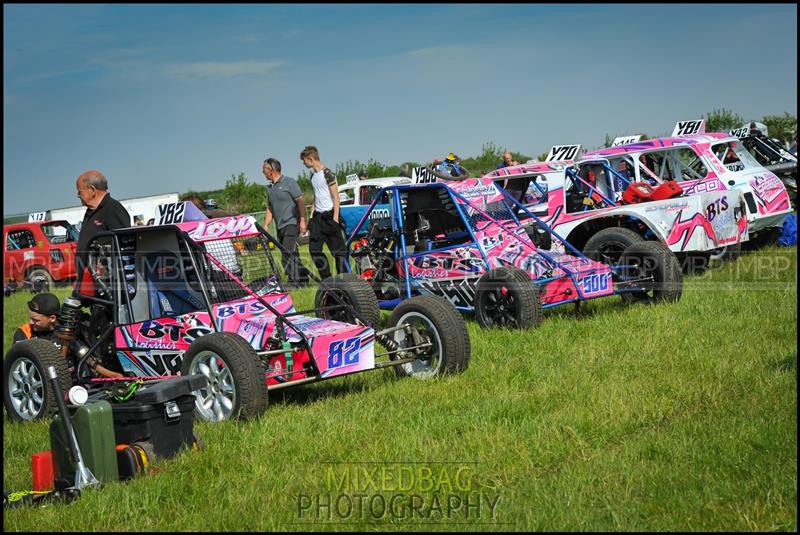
(322, 193)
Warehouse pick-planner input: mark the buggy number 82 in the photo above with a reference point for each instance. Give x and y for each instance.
(344, 352)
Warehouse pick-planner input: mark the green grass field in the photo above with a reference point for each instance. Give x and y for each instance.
(667, 417)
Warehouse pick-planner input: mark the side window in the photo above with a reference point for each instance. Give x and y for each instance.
(537, 190)
(20, 239)
(733, 156)
(688, 165)
(624, 169)
(346, 197)
(653, 167)
(366, 194)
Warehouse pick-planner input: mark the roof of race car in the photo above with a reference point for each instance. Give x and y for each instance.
(657, 143)
(528, 168)
(382, 181)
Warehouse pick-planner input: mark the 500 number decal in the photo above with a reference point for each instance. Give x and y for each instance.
(343, 353)
(716, 208)
(594, 284)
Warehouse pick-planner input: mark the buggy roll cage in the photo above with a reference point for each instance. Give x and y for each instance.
(119, 286)
(400, 243)
(775, 158)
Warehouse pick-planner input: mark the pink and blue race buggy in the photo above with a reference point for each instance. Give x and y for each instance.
(464, 241)
(205, 297)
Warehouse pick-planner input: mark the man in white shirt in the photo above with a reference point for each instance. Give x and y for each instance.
(324, 226)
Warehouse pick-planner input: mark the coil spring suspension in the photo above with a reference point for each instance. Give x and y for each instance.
(68, 321)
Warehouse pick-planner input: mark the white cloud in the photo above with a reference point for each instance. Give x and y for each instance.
(221, 70)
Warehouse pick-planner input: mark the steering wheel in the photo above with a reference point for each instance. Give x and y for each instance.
(446, 176)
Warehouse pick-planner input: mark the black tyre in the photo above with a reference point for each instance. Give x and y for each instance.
(27, 392)
(609, 243)
(40, 280)
(355, 292)
(446, 176)
(652, 259)
(438, 322)
(506, 297)
(235, 377)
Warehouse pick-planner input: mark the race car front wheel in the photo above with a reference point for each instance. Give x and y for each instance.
(442, 331)
(506, 297)
(654, 261)
(27, 394)
(235, 377)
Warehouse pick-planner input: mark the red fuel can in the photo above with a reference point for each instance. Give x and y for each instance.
(42, 466)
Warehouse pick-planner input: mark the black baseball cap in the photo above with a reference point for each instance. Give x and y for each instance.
(44, 303)
(363, 172)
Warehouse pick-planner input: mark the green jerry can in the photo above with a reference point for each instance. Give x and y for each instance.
(94, 429)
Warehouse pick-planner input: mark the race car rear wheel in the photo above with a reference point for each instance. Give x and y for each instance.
(506, 297)
(652, 259)
(235, 382)
(437, 322)
(28, 394)
(355, 292)
(609, 243)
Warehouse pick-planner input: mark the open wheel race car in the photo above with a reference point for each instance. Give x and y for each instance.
(205, 297)
(464, 241)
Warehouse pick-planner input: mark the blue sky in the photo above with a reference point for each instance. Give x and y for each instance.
(165, 98)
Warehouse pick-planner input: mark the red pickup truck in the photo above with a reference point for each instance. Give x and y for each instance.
(39, 252)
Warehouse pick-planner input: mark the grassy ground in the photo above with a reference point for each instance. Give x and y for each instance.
(669, 417)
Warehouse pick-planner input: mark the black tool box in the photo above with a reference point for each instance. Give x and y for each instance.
(160, 413)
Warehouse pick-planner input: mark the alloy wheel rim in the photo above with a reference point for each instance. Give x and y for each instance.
(216, 400)
(424, 367)
(26, 389)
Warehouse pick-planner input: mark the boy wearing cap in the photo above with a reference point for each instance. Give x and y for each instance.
(43, 314)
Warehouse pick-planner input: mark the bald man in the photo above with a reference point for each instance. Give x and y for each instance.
(508, 160)
(102, 213)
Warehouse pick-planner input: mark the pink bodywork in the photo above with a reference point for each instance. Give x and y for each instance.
(686, 222)
(506, 244)
(156, 347)
(770, 193)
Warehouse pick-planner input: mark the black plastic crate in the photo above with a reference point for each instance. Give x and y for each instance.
(161, 414)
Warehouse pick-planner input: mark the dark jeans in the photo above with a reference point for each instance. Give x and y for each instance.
(294, 270)
(321, 230)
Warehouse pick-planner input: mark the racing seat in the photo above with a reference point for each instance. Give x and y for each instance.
(167, 286)
(637, 192)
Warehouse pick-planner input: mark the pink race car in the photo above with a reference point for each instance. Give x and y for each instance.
(205, 297)
(464, 241)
